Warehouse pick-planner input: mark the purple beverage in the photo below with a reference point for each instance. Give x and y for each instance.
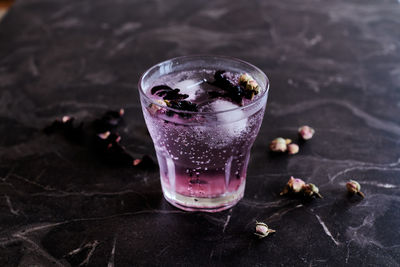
(203, 114)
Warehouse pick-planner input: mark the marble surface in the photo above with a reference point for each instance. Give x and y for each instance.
(332, 64)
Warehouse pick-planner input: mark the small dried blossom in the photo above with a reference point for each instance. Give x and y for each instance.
(297, 185)
(293, 149)
(65, 119)
(278, 145)
(245, 78)
(353, 187)
(311, 190)
(262, 230)
(293, 185)
(250, 85)
(104, 135)
(306, 132)
(153, 108)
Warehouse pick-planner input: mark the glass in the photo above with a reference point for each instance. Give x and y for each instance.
(203, 156)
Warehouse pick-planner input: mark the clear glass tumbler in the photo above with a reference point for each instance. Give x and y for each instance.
(203, 156)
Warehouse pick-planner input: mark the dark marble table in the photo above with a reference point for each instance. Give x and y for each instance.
(334, 65)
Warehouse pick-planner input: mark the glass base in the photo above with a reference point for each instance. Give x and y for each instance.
(215, 204)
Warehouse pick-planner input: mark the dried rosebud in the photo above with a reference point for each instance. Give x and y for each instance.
(65, 119)
(353, 187)
(306, 132)
(295, 185)
(253, 86)
(250, 85)
(245, 78)
(154, 108)
(104, 135)
(278, 145)
(311, 190)
(262, 230)
(293, 149)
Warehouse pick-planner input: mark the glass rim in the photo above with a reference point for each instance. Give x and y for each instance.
(154, 102)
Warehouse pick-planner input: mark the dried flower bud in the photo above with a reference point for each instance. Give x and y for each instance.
(262, 230)
(295, 185)
(154, 108)
(245, 78)
(104, 135)
(253, 86)
(64, 119)
(306, 132)
(278, 144)
(249, 84)
(353, 187)
(293, 149)
(312, 190)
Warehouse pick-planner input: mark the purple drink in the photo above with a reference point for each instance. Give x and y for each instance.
(203, 115)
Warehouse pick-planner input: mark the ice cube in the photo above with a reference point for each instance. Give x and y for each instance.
(190, 87)
(233, 122)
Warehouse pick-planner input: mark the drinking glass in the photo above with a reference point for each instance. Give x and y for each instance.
(202, 156)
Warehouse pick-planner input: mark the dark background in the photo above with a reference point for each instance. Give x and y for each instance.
(333, 65)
